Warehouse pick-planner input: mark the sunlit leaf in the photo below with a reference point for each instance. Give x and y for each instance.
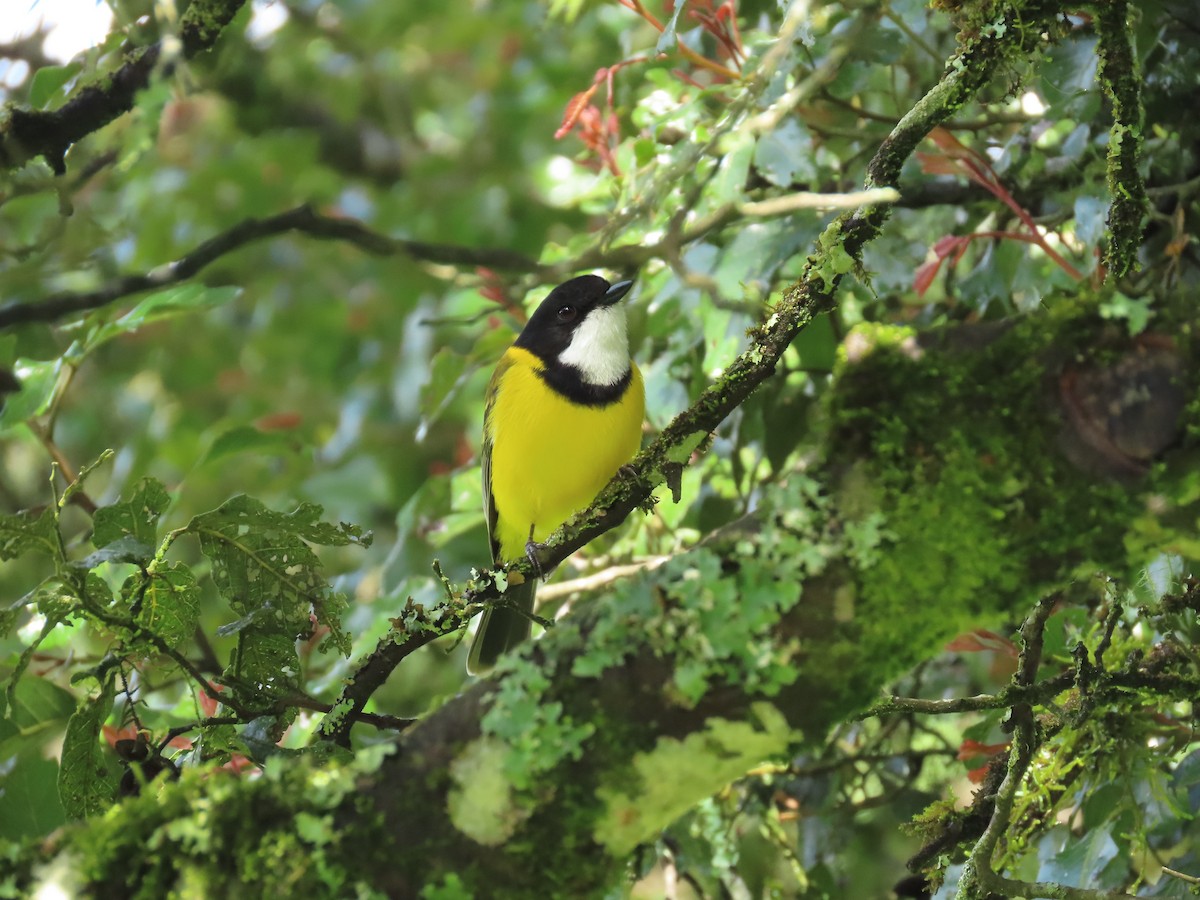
(164, 304)
(37, 379)
(48, 81)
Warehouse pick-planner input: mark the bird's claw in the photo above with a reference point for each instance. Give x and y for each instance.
(533, 552)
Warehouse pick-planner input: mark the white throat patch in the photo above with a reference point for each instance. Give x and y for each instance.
(599, 348)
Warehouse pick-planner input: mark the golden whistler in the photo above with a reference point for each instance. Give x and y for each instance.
(563, 413)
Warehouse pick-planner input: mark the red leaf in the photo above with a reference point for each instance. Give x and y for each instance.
(980, 640)
(950, 145)
(492, 287)
(969, 749)
(925, 274)
(946, 245)
(112, 735)
(208, 703)
(280, 421)
(976, 776)
(936, 164)
(575, 106)
(238, 763)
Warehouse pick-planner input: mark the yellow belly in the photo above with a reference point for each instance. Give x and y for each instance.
(551, 457)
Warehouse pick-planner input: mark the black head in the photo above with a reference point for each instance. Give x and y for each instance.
(551, 328)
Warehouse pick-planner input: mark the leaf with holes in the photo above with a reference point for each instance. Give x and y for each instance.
(263, 565)
(136, 517)
(27, 532)
(86, 779)
(166, 601)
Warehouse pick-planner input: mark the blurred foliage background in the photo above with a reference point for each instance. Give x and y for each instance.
(581, 135)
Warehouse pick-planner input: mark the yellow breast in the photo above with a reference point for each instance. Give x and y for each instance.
(550, 457)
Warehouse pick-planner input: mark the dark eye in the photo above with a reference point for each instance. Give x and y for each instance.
(566, 313)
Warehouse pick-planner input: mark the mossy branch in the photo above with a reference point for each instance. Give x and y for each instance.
(30, 133)
(838, 251)
(979, 879)
(632, 710)
(1118, 73)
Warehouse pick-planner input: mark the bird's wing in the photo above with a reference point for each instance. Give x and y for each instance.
(489, 502)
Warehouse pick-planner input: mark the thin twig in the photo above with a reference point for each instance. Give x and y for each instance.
(79, 497)
(978, 870)
(788, 203)
(1190, 879)
(596, 581)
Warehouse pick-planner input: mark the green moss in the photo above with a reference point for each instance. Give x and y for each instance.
(670, 775)
(1118, 73)
(482, 804)
(980, 512)
(536, 732)
(203, 21)
(834, 258)
(214, 834)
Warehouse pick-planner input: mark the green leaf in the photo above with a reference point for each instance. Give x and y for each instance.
(1090, 216)
(264, 567)
(1135, 311)
(48, 81)
(246, 438)
(136, 517)
(28, 532)
(1075, 862)
(161, 305)
(87, 773)
(267, 663)
(36, 701)
(784, 155)
(668, 39)
(29, 804)
(448, 373)
(23, 661)
(329, 613)
(8, 618)
(817, 345)
(261, 737)
(729, 184)
(166, 602)
(38, 379)
(55, 598)
(123, 550)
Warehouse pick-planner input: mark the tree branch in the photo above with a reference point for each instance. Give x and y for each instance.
(50, 133)
(411, 630)
(839, 250)
(1118, 73)
(971, 68)
(302, 219)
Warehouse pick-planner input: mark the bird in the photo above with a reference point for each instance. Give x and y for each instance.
(562, 414)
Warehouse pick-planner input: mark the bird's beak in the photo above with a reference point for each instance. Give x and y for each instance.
(616, 292)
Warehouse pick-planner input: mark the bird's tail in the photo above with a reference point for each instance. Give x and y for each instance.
(501, 628)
